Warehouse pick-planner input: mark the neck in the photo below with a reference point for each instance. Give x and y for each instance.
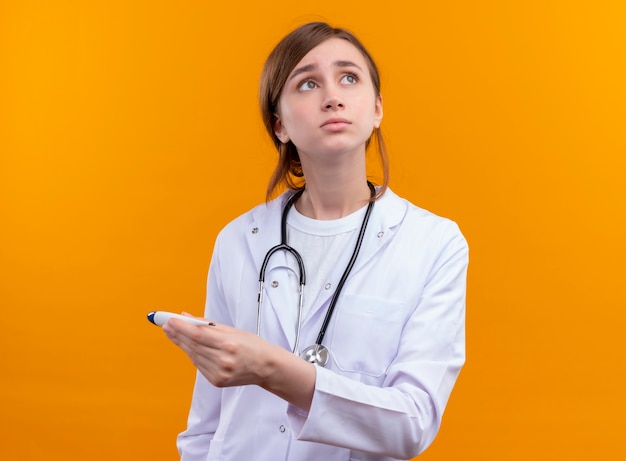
(336, 184)
(326, 201)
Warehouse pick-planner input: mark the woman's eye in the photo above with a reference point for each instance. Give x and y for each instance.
(307, 85)
(349, 79)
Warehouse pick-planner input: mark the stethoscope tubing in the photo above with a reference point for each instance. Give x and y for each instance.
(317, 348)
(344, 277)
(283, 246)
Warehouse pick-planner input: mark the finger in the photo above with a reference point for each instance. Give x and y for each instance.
(182, 326)
(191, 337)
(207, 359)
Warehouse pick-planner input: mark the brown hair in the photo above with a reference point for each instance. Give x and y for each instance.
(279, 64)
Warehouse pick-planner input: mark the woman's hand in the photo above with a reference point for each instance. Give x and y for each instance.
(227, 356)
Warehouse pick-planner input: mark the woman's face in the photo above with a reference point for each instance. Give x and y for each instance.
(328, 105)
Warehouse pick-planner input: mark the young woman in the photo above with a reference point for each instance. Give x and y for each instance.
(361, 365)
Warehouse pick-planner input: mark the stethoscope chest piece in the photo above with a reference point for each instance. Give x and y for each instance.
(316, 354)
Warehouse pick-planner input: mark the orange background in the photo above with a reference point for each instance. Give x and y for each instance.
(130, 134)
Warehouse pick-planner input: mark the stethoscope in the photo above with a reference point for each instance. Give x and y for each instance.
(316, 353)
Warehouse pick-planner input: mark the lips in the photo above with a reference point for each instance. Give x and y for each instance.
(336, 123)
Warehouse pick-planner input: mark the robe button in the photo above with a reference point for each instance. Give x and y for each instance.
(255, 230)
(380, 234)
(327, 286)
(282, 428)
(275, 284)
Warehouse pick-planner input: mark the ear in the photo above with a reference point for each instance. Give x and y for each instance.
(279, 130)
(378, 111)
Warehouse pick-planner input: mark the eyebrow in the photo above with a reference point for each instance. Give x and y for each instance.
(309, 67)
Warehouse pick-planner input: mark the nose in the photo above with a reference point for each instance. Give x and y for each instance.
(332, 103)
